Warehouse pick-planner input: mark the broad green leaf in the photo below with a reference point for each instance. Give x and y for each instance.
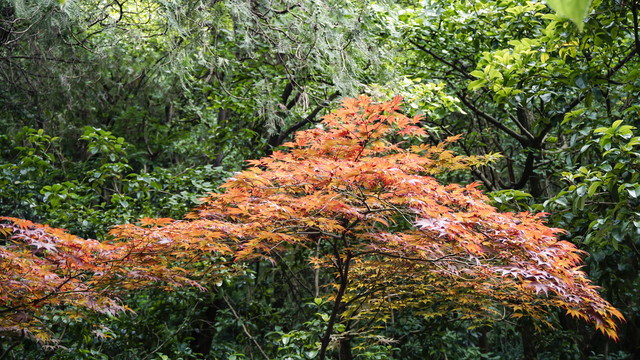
(474, 85)
(593, 188)
(616, 124)
(580, 203)
(574, 10)
(477, 73)
(544, 57)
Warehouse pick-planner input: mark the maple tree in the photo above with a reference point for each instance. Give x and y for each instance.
(360, 190)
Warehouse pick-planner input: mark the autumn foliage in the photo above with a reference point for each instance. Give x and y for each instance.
(43, 268)
(360, 189)
(359, 192)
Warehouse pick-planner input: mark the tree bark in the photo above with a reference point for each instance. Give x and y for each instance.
(222, 122)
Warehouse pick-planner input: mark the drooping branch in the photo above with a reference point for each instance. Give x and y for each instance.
(278, 139)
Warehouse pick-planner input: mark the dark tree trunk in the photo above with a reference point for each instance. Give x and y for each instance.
(204, 330)
(527, 333)
(345, 349)
(338, 306)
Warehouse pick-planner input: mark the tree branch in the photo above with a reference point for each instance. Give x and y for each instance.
(309, 119)
(336, 307)
(519, 137)
(634, 10)
(437, 57)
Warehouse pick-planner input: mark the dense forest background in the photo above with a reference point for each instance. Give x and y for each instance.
(112, 111)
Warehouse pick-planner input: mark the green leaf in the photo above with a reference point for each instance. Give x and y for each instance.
(593, 188)
(561, 201)
(474, 85)
(574, 10)
(544, 57)
(616, 124)
(580, 203)
(581, 81)
(477, 73)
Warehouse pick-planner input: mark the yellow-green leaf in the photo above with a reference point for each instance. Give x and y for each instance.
(574, 10)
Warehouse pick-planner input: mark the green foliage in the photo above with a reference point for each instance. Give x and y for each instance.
(534, 88)
(599, 208)
(601, 199)
(87, 197)
(184, 81)
(103, 144)
(509, 199)
(303, 343)
(527, 83)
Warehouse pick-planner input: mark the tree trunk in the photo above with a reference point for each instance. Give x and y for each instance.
(204, 331)
(527, 333)
(337, 307)
(345, 349)
(219, 151)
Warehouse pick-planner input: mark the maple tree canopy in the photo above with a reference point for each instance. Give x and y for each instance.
(358, 191)
(360, 185)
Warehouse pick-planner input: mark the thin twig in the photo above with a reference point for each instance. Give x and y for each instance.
(244, 328)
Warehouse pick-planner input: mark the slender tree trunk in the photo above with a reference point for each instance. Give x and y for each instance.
(483, 341)
(222, 122)
(337, 306)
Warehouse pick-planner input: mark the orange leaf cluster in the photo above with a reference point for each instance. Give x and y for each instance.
(43, 267)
